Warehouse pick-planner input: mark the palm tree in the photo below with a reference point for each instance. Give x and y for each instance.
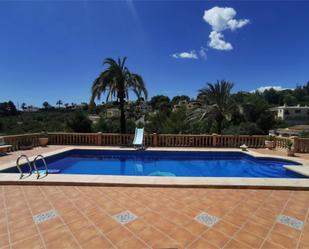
(59, 103)
(23, 106)
(117, 81)
(216, 100)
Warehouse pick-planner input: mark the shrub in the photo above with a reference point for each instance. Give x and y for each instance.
(79, 123)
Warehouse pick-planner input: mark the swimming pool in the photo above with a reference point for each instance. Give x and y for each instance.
(165, 163)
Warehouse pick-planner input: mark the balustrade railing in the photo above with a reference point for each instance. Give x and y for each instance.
(281, 142)
(303, 145)
(17, 141)
(157, 140)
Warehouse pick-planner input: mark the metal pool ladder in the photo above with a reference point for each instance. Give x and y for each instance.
(45, 164)
(29, 164)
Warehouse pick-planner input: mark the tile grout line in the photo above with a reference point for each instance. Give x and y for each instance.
(90, 221)
(243, 225)
(301, 233)
(134, 235)
(198, 237)
(272, 227)
(36, 225)
(6, 217)
(149, 225)
(46, 197)
(209, 228)
(21, 239)
(154, 227)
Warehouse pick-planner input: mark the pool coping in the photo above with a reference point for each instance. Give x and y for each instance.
(226, 182)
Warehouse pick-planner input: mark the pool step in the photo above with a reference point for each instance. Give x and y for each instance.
(302, 170)
(266, 171)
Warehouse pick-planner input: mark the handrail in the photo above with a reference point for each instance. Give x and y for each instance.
(18, 166)
(34, 164)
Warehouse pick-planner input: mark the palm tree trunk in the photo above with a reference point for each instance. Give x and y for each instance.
(122, 116)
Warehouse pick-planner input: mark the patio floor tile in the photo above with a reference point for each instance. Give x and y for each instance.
(247, 217)
(226, 228)
(196, 228)
(249, 239)
(137, 225)
(30, 243)
(23, 233)
(283, 240)
(216, 238)
(255, 229)
(4, 240)
(150, 235)
(97, 242)
(132, 242)
(234, 244)
(119, 234)
(202, 244)
(183, 237)
(85, 234)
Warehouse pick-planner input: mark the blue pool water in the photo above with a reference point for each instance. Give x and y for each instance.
(152, 163)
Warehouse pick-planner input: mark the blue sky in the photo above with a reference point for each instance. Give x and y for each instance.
(54, 50)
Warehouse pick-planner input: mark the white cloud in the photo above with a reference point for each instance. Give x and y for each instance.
(220, 19)
(234, 24)
(223, 18)
(186, 55)
(202, 53)
(263, 88)
(217, 42)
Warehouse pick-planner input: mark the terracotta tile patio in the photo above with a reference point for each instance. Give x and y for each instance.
(85, 217)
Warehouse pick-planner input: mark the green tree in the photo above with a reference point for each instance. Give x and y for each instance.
(46, 105)
(177, 122)
(178, 98)
(155, 123)
(79, 123)
(216, 101)
(7, 108)
(117, 81)
(157, 100)
(245, 128)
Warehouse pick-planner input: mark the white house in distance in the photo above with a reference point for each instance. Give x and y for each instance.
(292, 114)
